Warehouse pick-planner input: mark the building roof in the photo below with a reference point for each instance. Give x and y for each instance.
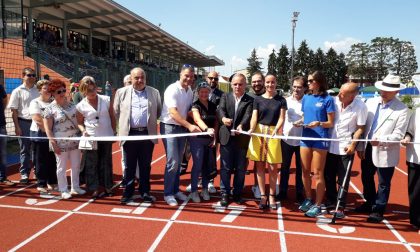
(108, 18)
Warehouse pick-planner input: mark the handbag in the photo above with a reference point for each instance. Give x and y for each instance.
(85, 144)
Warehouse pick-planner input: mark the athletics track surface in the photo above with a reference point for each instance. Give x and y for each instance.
(29, 222)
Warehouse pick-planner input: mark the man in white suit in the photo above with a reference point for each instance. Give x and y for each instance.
(137, 108)
(387, 121)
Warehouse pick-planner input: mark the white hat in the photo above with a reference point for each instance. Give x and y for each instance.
(390, 83)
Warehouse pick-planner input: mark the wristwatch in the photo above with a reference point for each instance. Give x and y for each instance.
(320, 124)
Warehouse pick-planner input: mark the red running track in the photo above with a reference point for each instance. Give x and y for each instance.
(29, 222)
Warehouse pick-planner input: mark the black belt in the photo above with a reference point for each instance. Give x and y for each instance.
(139, 129)
(26, 120)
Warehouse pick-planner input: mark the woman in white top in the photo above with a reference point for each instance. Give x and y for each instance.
(413, 163)
(95, 117)
(60, 121)
(45, 165)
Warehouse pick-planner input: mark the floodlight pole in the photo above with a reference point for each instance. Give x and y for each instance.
(294, 20)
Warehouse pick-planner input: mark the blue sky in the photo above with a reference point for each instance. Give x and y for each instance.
(230, 29)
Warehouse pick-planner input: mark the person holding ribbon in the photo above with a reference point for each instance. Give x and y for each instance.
(387, 121)
(95, 117)
(268, 116)
(318, 116)
(137, 108)
(204, 115)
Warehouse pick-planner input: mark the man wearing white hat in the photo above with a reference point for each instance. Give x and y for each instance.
(387, 121)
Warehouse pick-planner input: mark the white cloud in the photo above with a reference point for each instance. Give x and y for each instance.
(341, 46)
(209, 49)
(238, 63)
(264, 52)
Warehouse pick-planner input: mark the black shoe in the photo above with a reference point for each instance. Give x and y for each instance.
(148, 198)
(237, 199)
(225, 200)
(375, 217)
(263, 202)
(125, 200)
(364, 208)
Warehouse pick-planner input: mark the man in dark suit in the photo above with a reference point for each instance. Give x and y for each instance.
(234, 111)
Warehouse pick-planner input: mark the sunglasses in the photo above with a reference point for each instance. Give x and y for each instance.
(31, 75)
(213, 78)
(60, 91)
(310, 81)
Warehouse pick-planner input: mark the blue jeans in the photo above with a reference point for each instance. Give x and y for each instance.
(233, 158)
(25, 147)
(3, 142)
(287, 152)
(203, 162)
(174, 148)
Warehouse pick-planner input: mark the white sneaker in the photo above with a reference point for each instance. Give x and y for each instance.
(170, 200)
(65, 195)
(195, 198)
(188, 189)
(77, 191)
(181, 196)
(205, 194)
(211, 188)
(256, 191)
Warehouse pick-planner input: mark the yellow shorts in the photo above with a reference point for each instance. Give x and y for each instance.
(265, 149)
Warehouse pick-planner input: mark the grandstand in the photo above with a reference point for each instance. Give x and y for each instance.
(72, 38)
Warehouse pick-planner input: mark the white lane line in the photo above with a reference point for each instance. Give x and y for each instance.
(120, 210)
(115, 152)
(143, 207)
(210, 225)
(233, 214)
(403, 172)
(18, 190)
(282, 237)
(387, 224)
(40, 232)
(398, 235)
(159, 158)
(400, 212)
(167, 226)
(20, 245)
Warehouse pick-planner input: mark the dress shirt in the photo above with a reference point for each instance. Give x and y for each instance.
(139, 103)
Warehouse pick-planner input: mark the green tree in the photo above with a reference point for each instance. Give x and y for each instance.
(272, 63)
(404, 57)
(330, 70)
(341, 69)
(254, 65)
(358, 62)
(381, 55)
(318, 61)
(302, 60)
(283, 68)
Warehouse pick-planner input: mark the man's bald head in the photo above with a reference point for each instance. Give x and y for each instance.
(213, 79)
(348, 92)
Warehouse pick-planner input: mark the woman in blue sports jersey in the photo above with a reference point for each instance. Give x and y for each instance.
(318, 116)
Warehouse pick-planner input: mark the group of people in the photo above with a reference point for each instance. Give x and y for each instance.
(323, 132)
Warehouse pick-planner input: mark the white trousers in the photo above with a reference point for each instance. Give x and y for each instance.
(74, 158)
